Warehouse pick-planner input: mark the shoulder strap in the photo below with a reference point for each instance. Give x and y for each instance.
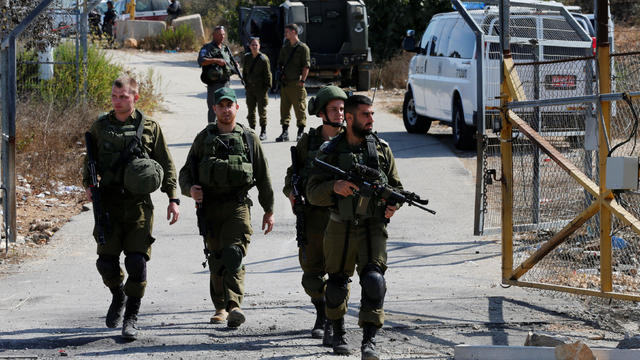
(248, 138)
(291, 56)
(372, 152)
(253, 64)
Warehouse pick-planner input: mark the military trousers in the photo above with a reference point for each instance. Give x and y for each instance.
(311, 257)
(293, 95)
(129, 231)
(349, 246)
(211, 115)
(260, 98)
(228, 236)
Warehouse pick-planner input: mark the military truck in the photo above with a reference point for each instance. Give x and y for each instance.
(336, 32)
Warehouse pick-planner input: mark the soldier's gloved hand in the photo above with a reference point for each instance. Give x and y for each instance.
(196, 193)
(344, 188)
(267, 220)
(389, 211)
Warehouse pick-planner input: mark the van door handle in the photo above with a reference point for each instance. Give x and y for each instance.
(466, 62)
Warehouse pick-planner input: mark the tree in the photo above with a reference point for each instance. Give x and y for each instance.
(390, 19)
(38, 34)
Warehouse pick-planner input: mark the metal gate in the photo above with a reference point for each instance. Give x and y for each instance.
(539, 33)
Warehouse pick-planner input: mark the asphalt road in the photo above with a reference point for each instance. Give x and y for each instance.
(443, 283)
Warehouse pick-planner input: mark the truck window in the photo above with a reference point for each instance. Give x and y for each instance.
(424, 43)
(462, 41)
(443, 44)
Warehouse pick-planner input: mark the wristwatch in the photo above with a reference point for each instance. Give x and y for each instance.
(177, 201)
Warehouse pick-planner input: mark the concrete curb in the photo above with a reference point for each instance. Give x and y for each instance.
(472, 352)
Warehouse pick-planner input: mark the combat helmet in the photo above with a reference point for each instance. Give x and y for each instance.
(324, 95)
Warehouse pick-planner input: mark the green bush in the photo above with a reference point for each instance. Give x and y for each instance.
(182, 38)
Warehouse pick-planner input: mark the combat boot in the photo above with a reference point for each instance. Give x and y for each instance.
(368, 347)
(300, 132)
(115, 309)
(284, 136)
(263, 134)
(339, 342)
(129, 326)
(318, 328)
(327, 339)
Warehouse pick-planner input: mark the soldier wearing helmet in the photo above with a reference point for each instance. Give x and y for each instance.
(328, 104)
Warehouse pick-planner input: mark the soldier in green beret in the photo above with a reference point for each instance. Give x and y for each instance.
(294, 61)
(256, 72)
(224, 162)
(328, 104)
(130, 149)
(356, 234)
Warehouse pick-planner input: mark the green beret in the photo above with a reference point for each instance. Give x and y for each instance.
(324, 95)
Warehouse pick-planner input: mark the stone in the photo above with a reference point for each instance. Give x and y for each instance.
(131, 43)
(538, 339)
(576, 351)
(629, 343)
(138, 29)
(194, 21)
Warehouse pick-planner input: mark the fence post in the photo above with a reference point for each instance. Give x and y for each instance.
(604, 79)
(506, 147)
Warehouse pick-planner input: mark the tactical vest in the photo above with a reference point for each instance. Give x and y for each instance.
(363, 206)
(227, 160)
(122, 160)
(313, 146)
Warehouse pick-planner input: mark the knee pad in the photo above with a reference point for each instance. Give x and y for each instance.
(232, 258)
(374, 287)
(136, 264)
(108, 266)
(337, 290)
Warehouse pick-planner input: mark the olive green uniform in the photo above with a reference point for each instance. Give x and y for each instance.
(257, 79)
(356, 235)
(130, 215)
(226, 173)
(316, 217)
(291, 92)
(213, 75)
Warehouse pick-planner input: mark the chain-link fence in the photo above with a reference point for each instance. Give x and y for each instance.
(557, 240)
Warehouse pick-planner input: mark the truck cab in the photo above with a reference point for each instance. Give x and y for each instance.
(336, 32)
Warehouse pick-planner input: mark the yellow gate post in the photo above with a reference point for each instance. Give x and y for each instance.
(604, 80)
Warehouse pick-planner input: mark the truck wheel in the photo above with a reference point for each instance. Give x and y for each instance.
(413, 122)
(364, 80)
(462, 134)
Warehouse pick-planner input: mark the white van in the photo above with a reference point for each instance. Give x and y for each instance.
(442, 75)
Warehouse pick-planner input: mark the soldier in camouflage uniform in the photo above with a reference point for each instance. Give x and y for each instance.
(215, 59)
(228, 160)
(356, 235)
(256, 72)
(294, 61)
(130, 214)
(328, 104)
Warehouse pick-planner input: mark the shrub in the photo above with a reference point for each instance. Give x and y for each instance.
(182, 38)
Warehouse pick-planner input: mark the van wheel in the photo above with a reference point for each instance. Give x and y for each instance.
(413, 122)
(462, 134)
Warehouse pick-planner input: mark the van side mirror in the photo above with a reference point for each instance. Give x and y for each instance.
(409, 42)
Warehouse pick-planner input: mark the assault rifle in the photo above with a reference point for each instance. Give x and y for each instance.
(298, 201)
(100, 217)
(366, 179)
(277, 80)
(202, 223)
(234, 63)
